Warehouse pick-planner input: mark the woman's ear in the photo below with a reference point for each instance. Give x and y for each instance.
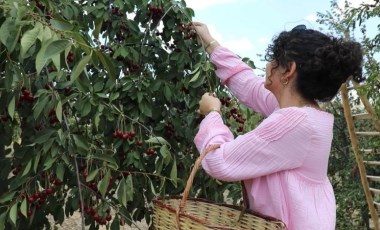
(291, 73)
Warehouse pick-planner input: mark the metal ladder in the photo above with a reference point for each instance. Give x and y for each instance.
(362, 154)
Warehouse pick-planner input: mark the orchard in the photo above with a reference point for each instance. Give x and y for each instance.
(98, 110)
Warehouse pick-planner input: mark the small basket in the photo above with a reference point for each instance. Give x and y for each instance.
(181, 212)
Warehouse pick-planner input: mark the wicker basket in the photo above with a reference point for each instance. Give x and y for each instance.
(181, 212)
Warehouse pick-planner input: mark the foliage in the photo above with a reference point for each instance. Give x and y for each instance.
(99, 101)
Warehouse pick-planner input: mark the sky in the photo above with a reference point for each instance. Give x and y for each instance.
(247, 26)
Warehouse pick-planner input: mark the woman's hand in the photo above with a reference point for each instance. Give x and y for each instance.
(202, 32)
(208, 41)
(209, 102)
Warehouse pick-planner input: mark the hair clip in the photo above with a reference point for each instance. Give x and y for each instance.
(299, 27)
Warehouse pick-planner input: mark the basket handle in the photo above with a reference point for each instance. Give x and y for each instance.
(190, 183)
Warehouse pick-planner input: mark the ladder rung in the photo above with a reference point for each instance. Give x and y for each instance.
(372, 162)
(361, 116)
(355, 87)
(373, 178)
(368, 151)
(368, 133)
(374, 190)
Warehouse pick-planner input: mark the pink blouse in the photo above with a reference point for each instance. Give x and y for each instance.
(283, 162)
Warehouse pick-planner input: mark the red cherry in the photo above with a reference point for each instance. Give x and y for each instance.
(108, 217)
(139, 143)
(29, 213)
(58, 182)
(119, 134)
(82, 166)
(84, 175)
(96, 217)
(150, 151)
(132, 133)
(31, 200)
(50, 190)
(36, 195)
(125, 136)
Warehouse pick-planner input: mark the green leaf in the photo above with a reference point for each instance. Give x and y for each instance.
(5, 30)
(146, 108)
(60, 171)
(40, 58)
(11, 107)
(167, 93)
(36, 161)
(29, 38)
(80, 67)
(45, 136)
(107, 63)
(58, 111)
(121, 191)
(23, 207)
(7, 197)
(80, 142)
(46, 35)
(92, 175)
(27, 168)
(2, 220)
(13, 214)
(165, 153)
(103, 184)
(157, 140)
(55, 47)
(97, 120)
(61, 25)
(49, 162)
(115, 224)
(173, 174)
(196, 76)
(125, 190)
(39, 106)
(98, 27)
(108, 159)
(129, 188)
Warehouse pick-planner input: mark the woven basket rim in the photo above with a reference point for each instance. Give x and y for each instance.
(158, 201)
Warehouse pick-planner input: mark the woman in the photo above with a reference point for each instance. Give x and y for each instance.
(283, 162)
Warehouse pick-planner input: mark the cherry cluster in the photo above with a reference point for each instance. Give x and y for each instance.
(188, 31)
(26, 95)
(41, 6)
(150, 152)
(70, 57)
(38, 198)
(234, 113)
(52, 117)
(108, 49)
(155, 12)
(52, 69)
(101, 220)
(133, 67)
(116, 11)
(125, 135)
(5, 117)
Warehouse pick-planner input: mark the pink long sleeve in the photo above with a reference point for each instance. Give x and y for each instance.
(257, 153)
(242, 81)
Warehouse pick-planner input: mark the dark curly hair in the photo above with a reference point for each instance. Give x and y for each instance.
(323, 62)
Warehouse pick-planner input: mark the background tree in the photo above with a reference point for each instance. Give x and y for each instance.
(99, 101)
(352, 210)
